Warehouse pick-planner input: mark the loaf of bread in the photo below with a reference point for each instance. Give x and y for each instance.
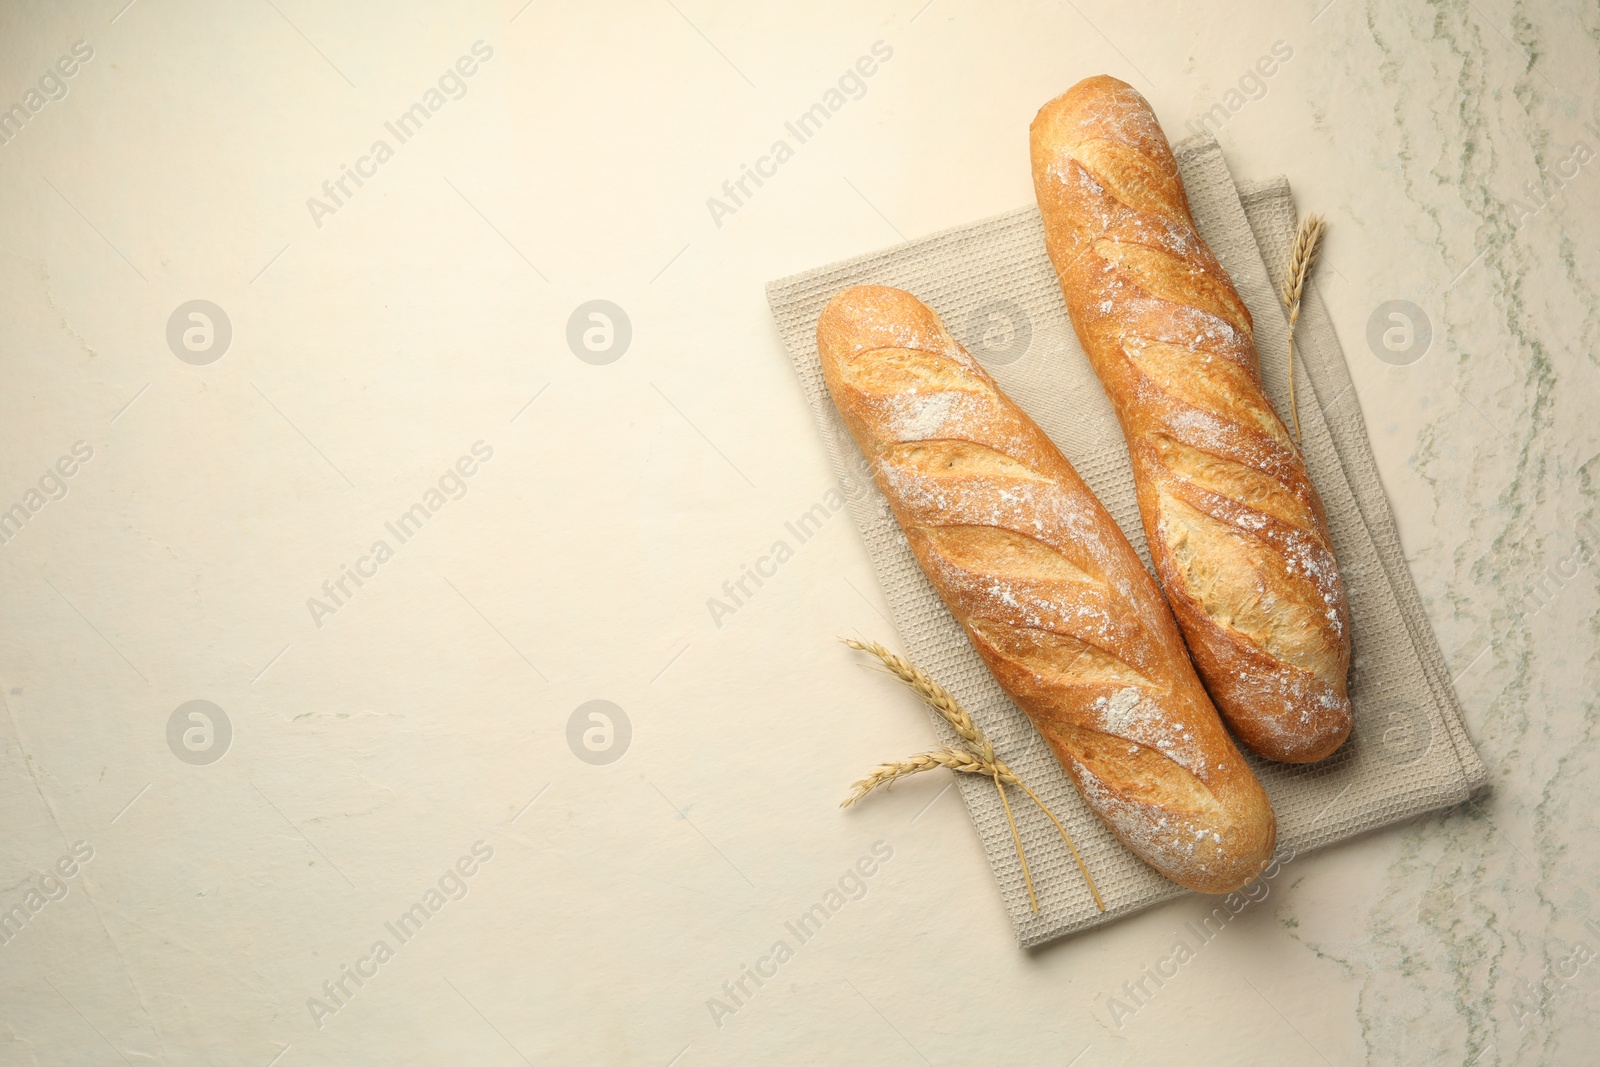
(1236, 530)
(1049, 590)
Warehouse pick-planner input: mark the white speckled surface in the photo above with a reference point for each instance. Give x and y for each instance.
(430, 710)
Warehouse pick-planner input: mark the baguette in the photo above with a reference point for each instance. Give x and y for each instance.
(1048, 589)
(1236, 529)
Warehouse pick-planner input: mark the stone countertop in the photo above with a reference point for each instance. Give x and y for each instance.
(422, 571)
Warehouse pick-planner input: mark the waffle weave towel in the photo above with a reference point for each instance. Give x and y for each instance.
(993, 285)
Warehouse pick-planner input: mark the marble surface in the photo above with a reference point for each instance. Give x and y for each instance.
(414, 760)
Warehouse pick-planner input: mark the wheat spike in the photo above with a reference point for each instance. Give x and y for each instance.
(955, 759)
(1307, 240)
(931, 692)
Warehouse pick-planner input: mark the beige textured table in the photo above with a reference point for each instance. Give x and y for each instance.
(649, 521)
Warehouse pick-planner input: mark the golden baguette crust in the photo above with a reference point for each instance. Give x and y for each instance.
(1236, 529)
(1048, 589)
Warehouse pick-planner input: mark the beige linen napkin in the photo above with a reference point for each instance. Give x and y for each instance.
(993, 285)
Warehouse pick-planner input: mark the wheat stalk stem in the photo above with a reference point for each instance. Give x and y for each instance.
(1307, 240)
(1016, 839)
(1070, 846)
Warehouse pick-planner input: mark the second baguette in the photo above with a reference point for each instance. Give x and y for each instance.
(1235, 527)
(1048, 589)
